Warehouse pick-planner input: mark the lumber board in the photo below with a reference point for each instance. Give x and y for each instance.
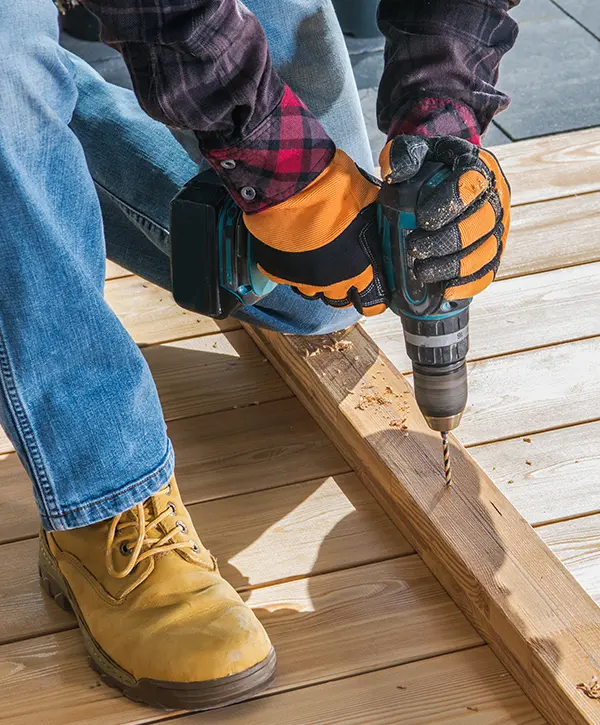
(532, 391)
(552, 234)
(324, 627)
(260, 539)
(553, 477)
(577, 544)
(552, 166)
(224, 454)
(525, 604)
(150, 314)
(463, 688)
(514, 315)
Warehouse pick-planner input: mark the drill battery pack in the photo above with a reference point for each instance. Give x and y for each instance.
(212, 268)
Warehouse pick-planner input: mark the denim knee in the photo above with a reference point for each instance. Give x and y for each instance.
(284, 311)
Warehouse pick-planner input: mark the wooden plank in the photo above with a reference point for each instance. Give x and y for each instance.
(225, 454)
(561, 479)
(262, 538)
(114, 270)
(530, 610)
(552, 234)
(553, 166)
(150, 314)
(463, 688)
(577, 544)
(514, 315)
(323, 628)
(532, 391)
(212, 373)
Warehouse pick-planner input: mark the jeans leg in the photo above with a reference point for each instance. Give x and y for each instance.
(76, 396)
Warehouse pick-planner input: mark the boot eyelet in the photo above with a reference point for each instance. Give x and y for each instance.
(124, 549)
(168, 489)
(182, 526)
(195, 547)
(171, 506)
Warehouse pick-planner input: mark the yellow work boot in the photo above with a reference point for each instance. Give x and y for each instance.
(158, 620)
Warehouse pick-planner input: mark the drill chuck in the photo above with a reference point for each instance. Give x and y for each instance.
(438, 347)
(441, 393)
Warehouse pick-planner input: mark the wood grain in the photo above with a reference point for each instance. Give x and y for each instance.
(262, 538)
(553, 166)
(463, 688)
(212, 373)
(552, 234)
(150, 314)
(560, 480)
(532, 391)
(224, 454)
(515, 314)
(577, 544)
(324, 627)
(531, 611)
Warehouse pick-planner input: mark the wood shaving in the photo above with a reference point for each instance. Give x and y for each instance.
(365, 400)
(528, 463)
(526, 440)
(397, 423)
(591, 689)
(338, 346)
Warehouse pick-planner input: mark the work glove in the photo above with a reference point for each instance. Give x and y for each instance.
(324, 241)
(463, 224)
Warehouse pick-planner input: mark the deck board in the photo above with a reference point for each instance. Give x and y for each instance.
(349, 606)
(324, 628)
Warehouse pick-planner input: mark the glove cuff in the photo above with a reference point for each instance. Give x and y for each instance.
(441, 116)
(319, 213)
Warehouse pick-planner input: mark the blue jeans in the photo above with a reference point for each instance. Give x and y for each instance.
(85, 173)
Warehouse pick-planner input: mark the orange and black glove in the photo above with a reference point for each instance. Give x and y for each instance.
(324, 241)
(463, 224)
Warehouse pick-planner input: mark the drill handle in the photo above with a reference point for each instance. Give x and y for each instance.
(408, 296)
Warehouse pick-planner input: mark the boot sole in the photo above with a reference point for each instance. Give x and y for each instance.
(207, 695)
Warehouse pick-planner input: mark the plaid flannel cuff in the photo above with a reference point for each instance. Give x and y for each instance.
(437, 117)
(277, 160)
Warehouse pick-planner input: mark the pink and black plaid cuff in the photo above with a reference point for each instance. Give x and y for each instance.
(277, 160)
(437, 117)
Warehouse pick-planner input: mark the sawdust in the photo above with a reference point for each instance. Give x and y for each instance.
(365, 400)
(397, 423)
(528, 463)
(511, 481)
(472, 709)
(590, 689)
(526, 440)
(338, 346)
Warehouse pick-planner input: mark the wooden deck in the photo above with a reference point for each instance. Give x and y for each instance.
(364, 632)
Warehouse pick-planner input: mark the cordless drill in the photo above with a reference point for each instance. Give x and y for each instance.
(214, 273)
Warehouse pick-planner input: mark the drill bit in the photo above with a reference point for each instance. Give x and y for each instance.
(446, 452)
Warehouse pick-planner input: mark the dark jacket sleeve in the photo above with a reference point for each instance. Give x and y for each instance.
(444, 49)
(202, 65)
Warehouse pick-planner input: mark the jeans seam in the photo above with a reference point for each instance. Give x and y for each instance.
(25, 431)
(122, 491)
(140, 218)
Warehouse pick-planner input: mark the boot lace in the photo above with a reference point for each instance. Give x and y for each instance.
(138, 528)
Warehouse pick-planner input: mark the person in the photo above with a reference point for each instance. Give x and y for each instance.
(85, 172)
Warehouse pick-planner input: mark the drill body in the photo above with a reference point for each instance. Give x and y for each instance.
(436, 331)
(213, 273)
